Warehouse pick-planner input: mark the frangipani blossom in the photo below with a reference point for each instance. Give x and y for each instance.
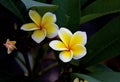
(42, 26)
(10, 45)
(71, 45)
(77, 80)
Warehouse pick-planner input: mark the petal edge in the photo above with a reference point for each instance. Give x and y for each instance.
(66, 56)
(52, 30)
(36, 18)
(50, 16)
(29, 27)
(79, 51)
(65, 35)
(78, 37)
(57, 45)
(39, 35)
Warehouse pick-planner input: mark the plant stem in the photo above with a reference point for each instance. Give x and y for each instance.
(27, 64)
(48, 68)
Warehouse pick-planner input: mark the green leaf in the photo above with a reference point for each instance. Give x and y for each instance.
(107, 76)
(15, 7)
(90, 17)
(104, 44)
(21, 62)
(20, 57)
(99, 68)
(99, 8)
(30, 59)
(68, 13)
(85, 77)
(74, 62)
(23, 67)
(83, 2)
(40, 7)
(43, 1)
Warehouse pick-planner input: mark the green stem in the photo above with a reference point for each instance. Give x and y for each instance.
(27, 64)
(48, 68)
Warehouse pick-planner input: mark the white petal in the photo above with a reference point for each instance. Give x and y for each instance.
(39, 35)
(76, 80)
(35, 17)
(52, 30)
(57, 45)
(29, 27)
(65, 35)
(66, 56)
(78, 37)
(9, 51)
(79, 51)
(48, 17)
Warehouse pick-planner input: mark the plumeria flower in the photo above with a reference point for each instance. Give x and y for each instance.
(77, 80)
(71, 45)
(10, 45)
(42, 26)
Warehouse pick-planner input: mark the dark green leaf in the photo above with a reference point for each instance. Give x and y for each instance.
(82, 2)
(20, 57)
(21, 62)
(85, 77)
(99, 8)
(30, 59)
(15, 7)
(107, 76)
(74, 62)
(40, 7)
(90, 17)
(43, 1)
(99, 68)
(68, 13)
(104, 44)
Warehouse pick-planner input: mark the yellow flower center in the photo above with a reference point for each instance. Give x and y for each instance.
(69, 48)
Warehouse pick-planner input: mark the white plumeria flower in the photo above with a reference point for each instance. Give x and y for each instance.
(77, 80)
(71, 45)
(42, 26)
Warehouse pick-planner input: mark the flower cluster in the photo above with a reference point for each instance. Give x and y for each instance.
(71, 45)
